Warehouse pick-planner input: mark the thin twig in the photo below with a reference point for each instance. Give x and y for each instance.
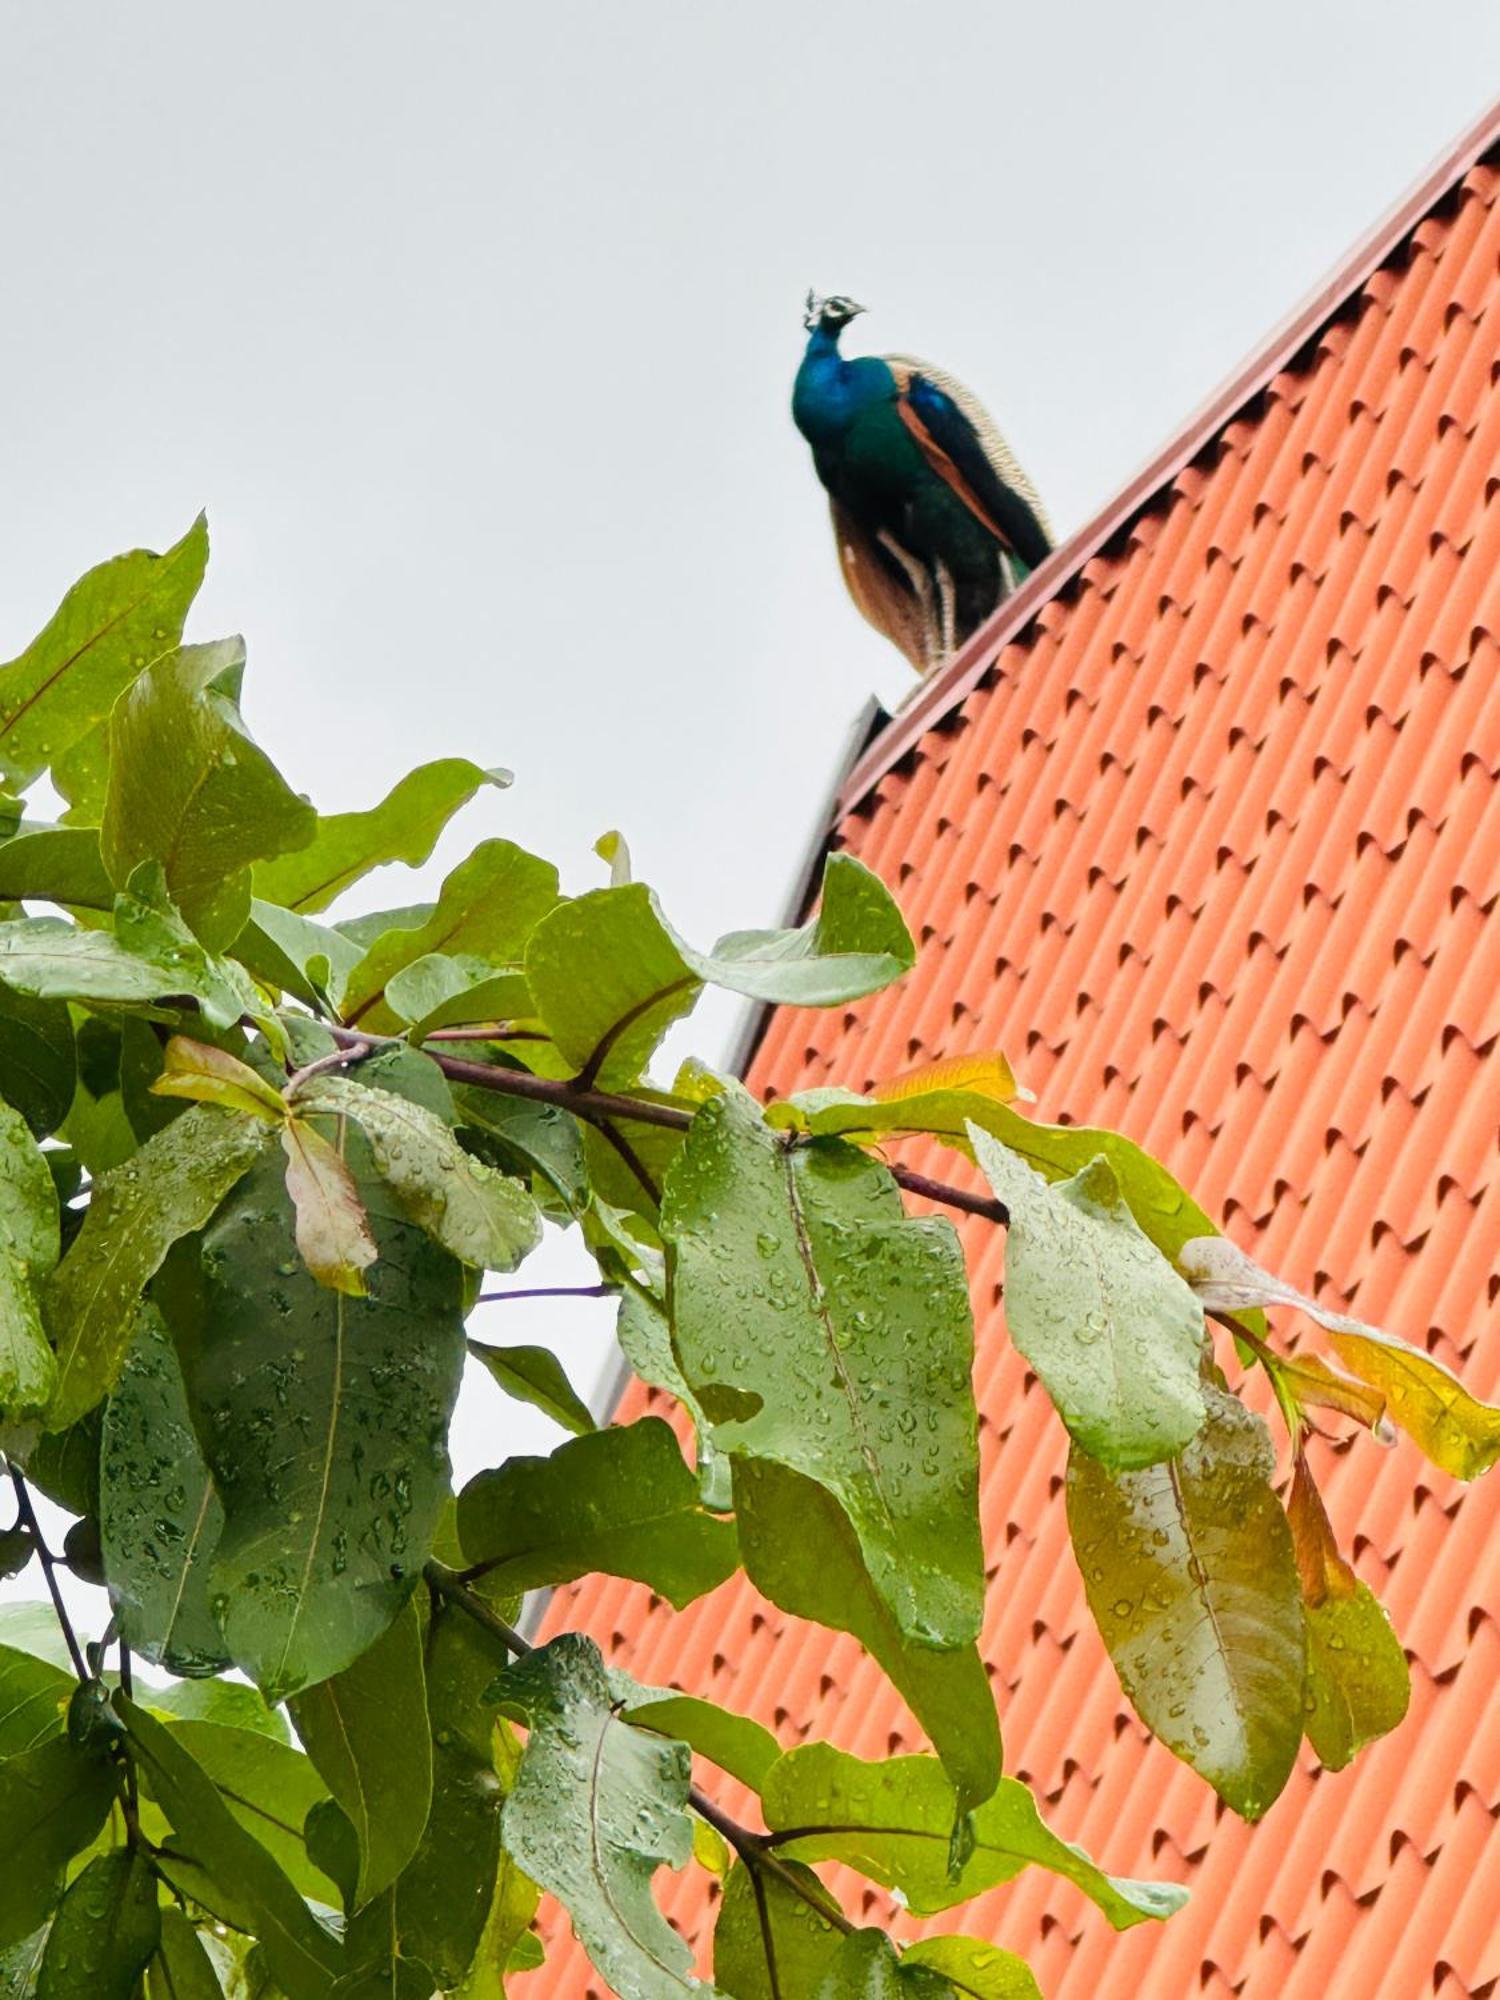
(550, 1292)
(352, 1051)
(28, 1518)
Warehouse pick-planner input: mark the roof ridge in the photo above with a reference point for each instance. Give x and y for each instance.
(935, 701)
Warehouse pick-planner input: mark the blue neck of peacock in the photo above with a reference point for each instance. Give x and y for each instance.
(821, 396)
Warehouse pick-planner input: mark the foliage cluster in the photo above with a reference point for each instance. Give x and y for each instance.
(255, 1160)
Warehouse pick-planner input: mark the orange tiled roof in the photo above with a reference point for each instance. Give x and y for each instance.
(1209, 841)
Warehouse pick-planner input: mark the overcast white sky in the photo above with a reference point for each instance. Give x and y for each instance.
(473, 327)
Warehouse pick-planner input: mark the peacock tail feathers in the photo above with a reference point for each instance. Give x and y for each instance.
(996, 450)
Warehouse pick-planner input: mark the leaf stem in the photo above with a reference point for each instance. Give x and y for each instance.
(550, 1292)
(27, 1514)
(352, 1051)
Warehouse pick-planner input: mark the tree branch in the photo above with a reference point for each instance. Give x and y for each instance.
(550, 1292)
(29, 1520)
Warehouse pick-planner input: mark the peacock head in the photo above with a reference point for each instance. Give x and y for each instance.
(833, 313)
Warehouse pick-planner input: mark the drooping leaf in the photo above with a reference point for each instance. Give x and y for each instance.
(366, 1731)
(893, 1822)
(34, 1696)
(535, 1375)
(1191, 1578)
(106, 1929)
(208, 1075)
(53, 1800)
(481, 1216)
(1358, 1685)
(159, 1517)
(440, 990)
(621, 1501)
(38, 1064)
(856, 944)
(984, 1075)
(189, 787)
(333, 1231)
(1452, 1427)
(404, 826)
(974, 1969)
(585, 1769)
(846, 1358)
(744, 1748)
(28, 1250)
(800, 1551)
(138, 1211)
(770, 1941)
(300, 1952)
(182, 1969)
(1312, 1381)
(487, 907)
(56, 864)
(323, 1421)
(112, 624)
(1115, 1335)
(607, 979)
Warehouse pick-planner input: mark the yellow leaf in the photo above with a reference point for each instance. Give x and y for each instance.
(333, 1232)
(979, 1076)
(208, 1075)
(1321, 1569)
(1316, 1385)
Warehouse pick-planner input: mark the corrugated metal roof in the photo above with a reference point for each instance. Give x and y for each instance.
(1211, 846)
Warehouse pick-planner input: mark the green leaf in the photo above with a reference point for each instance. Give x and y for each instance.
(800, 1551)
(307, 960)
(17, 1547)
(534, 1375)
(20, 1964)
(169, 1189)
(608, 978)
(159, 1517)
(56, 864)
(38, 1064)
(1113, 1332)
(855, 945)
(207, 1075)
(182, 1969)
(112, 624)
(268, 1786)
(975, 1968)
(28, 1251)
(436, 991)
(770, 1943)
(230, 1702)
(738, 1745)
(866, 1967)
(333, 1231)
(303, 1957)
(150, 959)
(53, 1801)
(34, 1696)
(487, 907)
(366, 1731)
(323, 1422)
(596, 1809)
(1190, 1575)
(481, 1216)
(506, 1933)
(845, 1357)
(403, 827)
(106, 1929)
(621, 1501)
(893, 1822)
(645, 1336)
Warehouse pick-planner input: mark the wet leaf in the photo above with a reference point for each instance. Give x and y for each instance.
(37, 1058)
(366, 1731)
(56, 864)
(168, 1189)
(404, 826)
(28, 1251)
(621, 1501)
(323, 1420)
(310, 961)
(483, 1217)
(534, 1375)
(268, 1786)
(190, 788)
(584, 1768)
(106, 1929)
(182, 1969)
(1191, 1578)
(112, 624)
(301, 1954)
(825, 1330)
(53, 1801)
(744, 1748)
(645, 1337)
(981, 1971)
(1315, 1384)
(231, 1702)
(209, 1075)
(800, 1551)
(159, 1517)
(770, 1942)
(1452, 1427)
(333, 1231)
(34, 1695)
(893, 1821)
(1113, 1332)
(20, 1964)
(607, 975)
(856, 944)
(440, 990)
(487, 907)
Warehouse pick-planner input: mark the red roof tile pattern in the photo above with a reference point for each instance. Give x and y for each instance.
(1212, 848)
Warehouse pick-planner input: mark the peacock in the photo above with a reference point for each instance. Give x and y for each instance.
(935, 521)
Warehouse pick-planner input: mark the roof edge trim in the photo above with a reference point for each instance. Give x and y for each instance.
(935, 699)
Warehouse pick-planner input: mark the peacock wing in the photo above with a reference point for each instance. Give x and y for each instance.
(960, 442)
(883, 592)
